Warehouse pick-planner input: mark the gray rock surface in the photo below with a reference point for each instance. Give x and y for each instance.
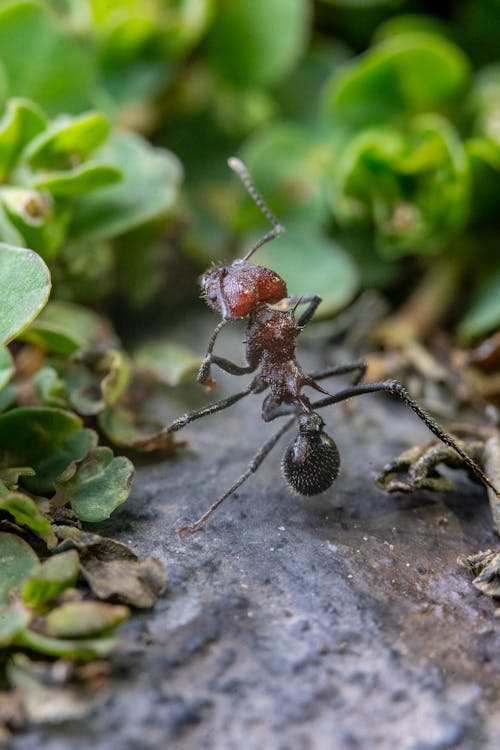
(340, 622)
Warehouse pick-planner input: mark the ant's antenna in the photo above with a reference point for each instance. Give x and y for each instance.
(237, 166)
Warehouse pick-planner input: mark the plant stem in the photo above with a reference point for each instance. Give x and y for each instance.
(425, 307)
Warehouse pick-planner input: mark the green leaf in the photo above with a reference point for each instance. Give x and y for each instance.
(10, 476)
(8, 397)
(79, 180)
(311, 263)
(56, 574)
(6, 366)
(49, 388)
(21, 122)
(99, 484)
(483, 316)
(13, 618)
(65, 327)
(117, 378)
(67, 139)
(84, 619)
(402, 76)
(26, 513)
(42, 60)
(17, 562)
(167, 362)
(149, 187)
(482, 103)
(47, 439)
(24, 289)
(413, 186)
(484, 164)
(85, 649)
(359, 4)
(125, 429)
(96, 380)
(258, 41)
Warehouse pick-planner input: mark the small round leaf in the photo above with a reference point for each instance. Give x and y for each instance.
(17, 562)
(24, 289)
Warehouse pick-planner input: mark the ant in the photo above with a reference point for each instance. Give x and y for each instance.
(243, 290)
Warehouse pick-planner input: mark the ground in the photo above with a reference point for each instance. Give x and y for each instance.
(333, 623)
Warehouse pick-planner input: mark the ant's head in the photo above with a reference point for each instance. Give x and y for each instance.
(311, 462)
(237, 289)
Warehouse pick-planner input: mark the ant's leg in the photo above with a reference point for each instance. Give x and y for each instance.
(306, 316)
(395, 388)
(225, 364)
(360, 365)
(189, 417)
(204, 371)
(252, 467)
(231, 367)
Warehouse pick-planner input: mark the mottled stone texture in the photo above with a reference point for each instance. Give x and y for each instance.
(339, 622)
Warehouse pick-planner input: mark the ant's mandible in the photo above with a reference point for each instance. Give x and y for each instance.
(242, 290)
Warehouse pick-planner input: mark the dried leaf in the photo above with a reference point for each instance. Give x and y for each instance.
(416, 468)
(113, 570)
(486, 567)
(491, 458)
(45, 699)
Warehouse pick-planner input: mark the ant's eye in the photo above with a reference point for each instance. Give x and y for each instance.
(311, 463)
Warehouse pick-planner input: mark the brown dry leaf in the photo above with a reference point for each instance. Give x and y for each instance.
(486, 567)
(11, 714)
(113, 570)
(47, 696)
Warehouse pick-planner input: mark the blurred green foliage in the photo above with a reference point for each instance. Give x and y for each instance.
(396, 147)
(371, 128)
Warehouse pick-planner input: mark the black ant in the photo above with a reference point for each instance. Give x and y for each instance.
(243, 290)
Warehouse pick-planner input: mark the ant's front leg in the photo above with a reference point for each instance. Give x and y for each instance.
(204, 372)
(232, 368)
(210, 359)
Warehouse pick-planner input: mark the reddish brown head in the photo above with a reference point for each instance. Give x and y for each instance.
(235, 290)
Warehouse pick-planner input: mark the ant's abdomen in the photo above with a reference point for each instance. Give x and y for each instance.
(311, 463)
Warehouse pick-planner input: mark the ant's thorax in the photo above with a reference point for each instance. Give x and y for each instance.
(271, 340)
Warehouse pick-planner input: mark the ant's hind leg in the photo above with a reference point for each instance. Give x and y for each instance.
(396, 389)
(252, 467)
